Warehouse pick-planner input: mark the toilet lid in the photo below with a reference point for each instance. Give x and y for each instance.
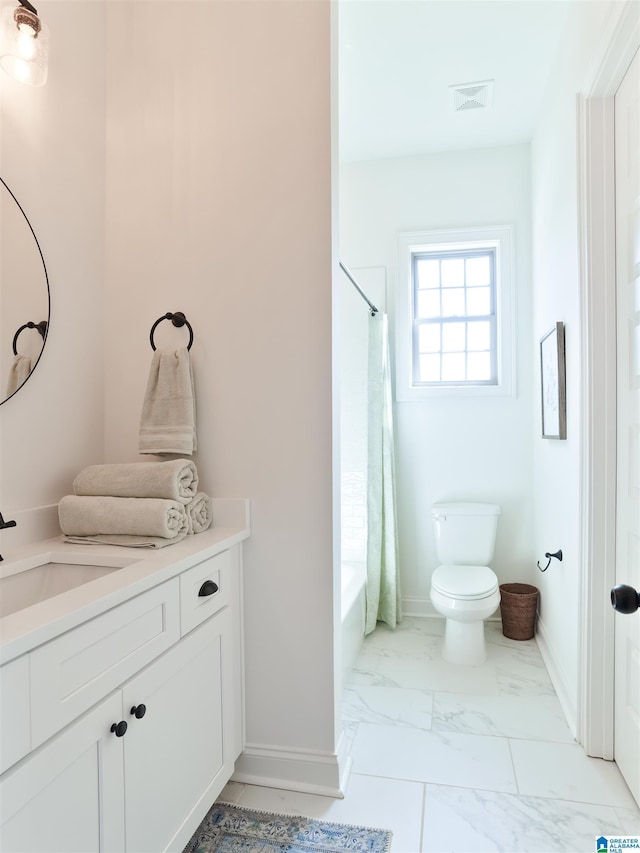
(465, 581)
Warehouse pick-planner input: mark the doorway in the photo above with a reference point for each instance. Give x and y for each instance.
(602, 636)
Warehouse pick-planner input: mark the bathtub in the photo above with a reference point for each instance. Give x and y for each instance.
(353, 613)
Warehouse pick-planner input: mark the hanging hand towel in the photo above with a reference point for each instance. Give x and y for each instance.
(199, 515)
(168, 421)
(176, 480)
(99, 515)
(19, 371)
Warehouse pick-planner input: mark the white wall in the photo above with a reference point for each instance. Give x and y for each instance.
(556, 288)
(219, 205)
(452, 449)
(52, 157)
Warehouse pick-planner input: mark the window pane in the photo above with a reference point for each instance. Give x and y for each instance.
(428, 273)
(429, 337)
(429, 368)
(453, 272)
(453, 302)
(428, 303)
(478, 271)
(453, 337)
(479, 366)
(453, 367)
(479, 336)
(479, 301)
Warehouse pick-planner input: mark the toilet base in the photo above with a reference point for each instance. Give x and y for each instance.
(464, 643)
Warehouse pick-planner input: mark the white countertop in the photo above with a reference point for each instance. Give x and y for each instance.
(25, 629)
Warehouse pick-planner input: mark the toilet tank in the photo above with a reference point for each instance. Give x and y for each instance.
(465, 532)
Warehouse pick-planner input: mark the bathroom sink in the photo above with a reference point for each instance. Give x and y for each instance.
(45, 576)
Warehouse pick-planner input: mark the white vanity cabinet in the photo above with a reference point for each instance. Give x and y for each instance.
(136, 764)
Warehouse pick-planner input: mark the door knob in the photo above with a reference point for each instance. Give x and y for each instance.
(625, 599)
(119, 728)
(139, 711)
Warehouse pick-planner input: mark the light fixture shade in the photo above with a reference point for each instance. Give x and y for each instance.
(24, 46)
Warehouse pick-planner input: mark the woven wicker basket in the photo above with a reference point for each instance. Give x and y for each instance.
(518, 608)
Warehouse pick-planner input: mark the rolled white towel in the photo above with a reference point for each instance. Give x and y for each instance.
(199, 513)
(99, 515)
(175, 480)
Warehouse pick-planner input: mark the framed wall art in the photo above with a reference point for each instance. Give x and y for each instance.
(553, 379)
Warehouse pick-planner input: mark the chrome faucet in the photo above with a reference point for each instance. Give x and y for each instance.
(4, 524)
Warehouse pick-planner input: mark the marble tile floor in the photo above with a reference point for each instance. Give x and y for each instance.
(462, 760)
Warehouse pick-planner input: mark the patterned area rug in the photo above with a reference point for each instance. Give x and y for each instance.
(234, 829)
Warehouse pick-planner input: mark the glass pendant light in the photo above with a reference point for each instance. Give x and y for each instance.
(24, 44)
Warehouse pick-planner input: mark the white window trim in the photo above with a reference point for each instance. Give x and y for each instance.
(413, 242)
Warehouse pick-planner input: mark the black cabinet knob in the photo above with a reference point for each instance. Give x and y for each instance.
(119, 728)
(208, 588)
(625, 599)
(139, 711)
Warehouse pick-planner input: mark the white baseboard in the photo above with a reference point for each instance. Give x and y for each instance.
(557, 676)
(295, 770)
(419, 607)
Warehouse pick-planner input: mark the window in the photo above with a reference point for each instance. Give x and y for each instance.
(453, 321)
(454, 317)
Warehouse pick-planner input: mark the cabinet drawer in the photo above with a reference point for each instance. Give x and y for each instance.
(195, 604)
(74, 671)
(14, 711)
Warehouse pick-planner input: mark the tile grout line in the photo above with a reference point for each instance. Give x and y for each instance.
(513, 765)
(518, 794)
(423, 816)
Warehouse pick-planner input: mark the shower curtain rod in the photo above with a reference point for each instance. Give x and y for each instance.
(372, 307)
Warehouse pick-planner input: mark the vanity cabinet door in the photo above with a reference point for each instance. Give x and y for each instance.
(176, 758)
(15, 712)
(68, 797)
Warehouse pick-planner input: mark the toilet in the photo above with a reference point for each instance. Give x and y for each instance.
(463, 588)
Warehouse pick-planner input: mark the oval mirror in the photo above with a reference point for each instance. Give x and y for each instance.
(24, 296)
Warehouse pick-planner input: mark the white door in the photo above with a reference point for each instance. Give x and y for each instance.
(627, 627)
(68, 797)
(175, 755)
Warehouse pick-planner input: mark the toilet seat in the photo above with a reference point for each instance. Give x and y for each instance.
(465, 583)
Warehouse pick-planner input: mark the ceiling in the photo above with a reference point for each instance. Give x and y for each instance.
(398, 58)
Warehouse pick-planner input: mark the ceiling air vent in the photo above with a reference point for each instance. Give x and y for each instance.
(471, 96)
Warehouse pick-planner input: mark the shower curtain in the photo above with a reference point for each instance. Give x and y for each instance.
(383, 581)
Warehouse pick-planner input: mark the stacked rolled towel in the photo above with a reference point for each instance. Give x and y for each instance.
(176, 480)
(137, 504)
(199, 513)
(99, 515)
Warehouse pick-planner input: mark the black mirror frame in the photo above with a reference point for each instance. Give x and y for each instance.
(46, 277)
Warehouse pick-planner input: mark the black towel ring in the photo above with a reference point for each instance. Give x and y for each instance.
(178, 319)
(41, 327)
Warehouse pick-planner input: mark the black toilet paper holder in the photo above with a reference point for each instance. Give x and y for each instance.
(557, 556)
